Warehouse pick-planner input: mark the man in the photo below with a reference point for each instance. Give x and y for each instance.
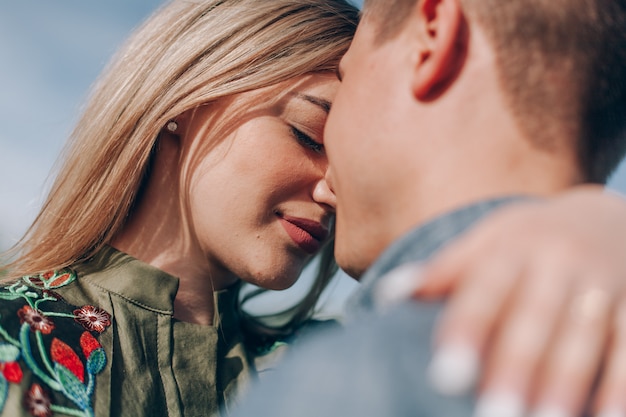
(447, 110)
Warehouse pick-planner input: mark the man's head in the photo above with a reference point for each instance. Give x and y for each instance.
(547, 51)
(448, 101)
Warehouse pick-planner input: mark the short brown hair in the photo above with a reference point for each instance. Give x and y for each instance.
(389, 14)
(562, 65)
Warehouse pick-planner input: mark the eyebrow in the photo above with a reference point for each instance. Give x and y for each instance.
(320, 102)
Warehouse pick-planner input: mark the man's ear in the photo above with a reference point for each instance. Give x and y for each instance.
(441, 32)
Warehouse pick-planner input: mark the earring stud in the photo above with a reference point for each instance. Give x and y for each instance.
(171, 126)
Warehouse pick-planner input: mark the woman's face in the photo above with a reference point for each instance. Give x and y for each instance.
(257, 201)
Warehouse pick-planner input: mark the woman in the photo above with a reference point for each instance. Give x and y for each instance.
(198, 163)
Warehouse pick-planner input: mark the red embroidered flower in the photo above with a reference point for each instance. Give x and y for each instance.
(93, 318)
(62, 354)
(12, 372)
(35, 319)
(88, 343)
(37, 401)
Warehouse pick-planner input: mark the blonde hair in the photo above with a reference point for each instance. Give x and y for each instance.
(188, 53)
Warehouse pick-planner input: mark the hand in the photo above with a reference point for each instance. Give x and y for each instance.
(538, 304)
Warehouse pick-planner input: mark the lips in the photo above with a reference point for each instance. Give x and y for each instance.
(307, 234)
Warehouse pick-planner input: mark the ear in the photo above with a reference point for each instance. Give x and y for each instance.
(176, 126)
(441, 31)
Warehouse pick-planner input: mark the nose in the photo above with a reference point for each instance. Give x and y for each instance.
(323, 193)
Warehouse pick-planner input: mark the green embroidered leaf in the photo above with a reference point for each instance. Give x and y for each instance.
(97, 361)
(4, 391)
(8, 353)
(21, 289)
(10, 296)
(72, 387)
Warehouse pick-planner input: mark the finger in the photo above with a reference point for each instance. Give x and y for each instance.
(610, 400)
(451, 265)
(576, 356)
(466, 323)
(397, 285)
(517, 350)
(441, 274)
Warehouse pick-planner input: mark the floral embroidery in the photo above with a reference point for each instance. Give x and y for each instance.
(35, 319)
(12, 372)
(88, 344)
(9, 368)
(37, 401)
(57, 366)
(65, 356)
(52, 294)
(93, 318)
(52, 279)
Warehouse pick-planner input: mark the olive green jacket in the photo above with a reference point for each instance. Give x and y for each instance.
(100, 339)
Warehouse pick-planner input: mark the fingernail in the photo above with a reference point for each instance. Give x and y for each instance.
(454, 369)
(499, 404)
(549, 411)
(398, 285)
(612, 412)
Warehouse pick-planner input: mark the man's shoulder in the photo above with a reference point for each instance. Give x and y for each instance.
(374, 365)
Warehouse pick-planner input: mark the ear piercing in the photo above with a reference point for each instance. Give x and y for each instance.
(171, 126)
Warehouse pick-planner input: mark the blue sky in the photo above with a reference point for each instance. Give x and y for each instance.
(51, 52)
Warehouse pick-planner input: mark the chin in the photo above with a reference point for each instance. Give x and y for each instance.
(275, 281)
(352, 264)
(352, 271)
(276, 284)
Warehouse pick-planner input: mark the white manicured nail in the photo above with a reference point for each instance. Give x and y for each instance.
(499, 404)
(454, 369)
(549, 411)
(612, 412)
(398, 285)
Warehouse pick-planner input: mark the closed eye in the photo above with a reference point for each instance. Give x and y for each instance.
(306, 141)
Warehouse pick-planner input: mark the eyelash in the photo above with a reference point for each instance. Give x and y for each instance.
(306, 140)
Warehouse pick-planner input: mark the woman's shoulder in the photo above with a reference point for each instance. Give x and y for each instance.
(49, 349)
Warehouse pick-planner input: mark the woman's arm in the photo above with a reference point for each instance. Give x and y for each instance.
(538, 296)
